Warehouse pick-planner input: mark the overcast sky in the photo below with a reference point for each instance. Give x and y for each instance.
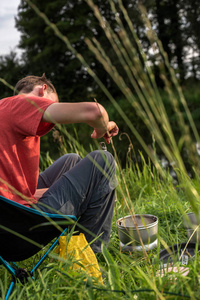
(9, 36)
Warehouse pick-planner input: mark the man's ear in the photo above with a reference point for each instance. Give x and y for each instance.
(42, 90)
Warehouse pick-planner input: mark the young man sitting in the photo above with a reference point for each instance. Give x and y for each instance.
(71, 185)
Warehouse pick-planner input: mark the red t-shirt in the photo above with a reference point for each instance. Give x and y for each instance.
(21, 128)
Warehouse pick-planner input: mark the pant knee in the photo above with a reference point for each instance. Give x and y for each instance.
(103, 158)
(72, 157)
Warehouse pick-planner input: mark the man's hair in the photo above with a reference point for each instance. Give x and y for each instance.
(27, 84)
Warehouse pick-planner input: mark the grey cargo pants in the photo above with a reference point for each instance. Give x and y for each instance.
(84, 188)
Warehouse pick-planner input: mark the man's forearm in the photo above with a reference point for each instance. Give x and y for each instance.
(100, 123)
(93, 114)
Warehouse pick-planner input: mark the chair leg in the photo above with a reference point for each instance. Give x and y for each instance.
(16, 273)
(46, 254)
(10, 269)
(13, 272)
(10, 289)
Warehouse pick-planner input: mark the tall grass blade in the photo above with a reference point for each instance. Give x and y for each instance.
(113, 269)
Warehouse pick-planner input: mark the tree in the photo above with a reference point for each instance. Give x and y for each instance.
(191, 13)
(10, 69)
(170, 33)
(43, 51)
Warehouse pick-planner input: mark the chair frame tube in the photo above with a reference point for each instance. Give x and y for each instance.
(12, 271)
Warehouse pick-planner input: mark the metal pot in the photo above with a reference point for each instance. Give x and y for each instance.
(177, 253)
(132, 226)
(191, 226)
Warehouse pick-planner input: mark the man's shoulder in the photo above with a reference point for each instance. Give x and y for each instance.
(24, 99)
(6, 99)
(6, 102)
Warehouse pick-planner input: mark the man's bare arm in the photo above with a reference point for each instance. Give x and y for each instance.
(90, 113)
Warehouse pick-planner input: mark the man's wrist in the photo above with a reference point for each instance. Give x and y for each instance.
(101, 130)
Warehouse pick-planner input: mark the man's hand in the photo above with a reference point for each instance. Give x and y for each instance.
(112, 130)
(39, 193)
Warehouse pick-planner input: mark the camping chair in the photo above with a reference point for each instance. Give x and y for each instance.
(25, 231)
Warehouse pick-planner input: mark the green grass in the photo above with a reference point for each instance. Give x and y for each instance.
(132, 275)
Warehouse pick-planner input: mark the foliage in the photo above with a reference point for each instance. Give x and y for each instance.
(176, 23)
(41, 52)
(133, 275)
(76, 21)
(166, 125)
(10, 69)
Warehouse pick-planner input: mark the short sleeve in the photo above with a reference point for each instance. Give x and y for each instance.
(26, 115)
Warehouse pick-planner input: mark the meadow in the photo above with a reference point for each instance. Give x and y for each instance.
(126, 275)
(145, 186)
